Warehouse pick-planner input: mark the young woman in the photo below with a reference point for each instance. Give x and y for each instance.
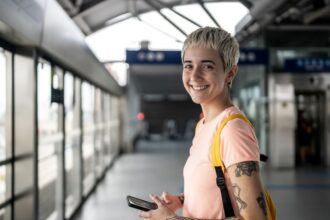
(210, 57)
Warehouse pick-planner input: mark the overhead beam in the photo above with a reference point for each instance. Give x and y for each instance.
(89, 5)
(78, 4)
(69, 7)
(83, 25)
(156, 28)
(178, 13)
(312, 16)
(112, 22)
(201, 3)
(299, 27)
(151, 4)
(246, 3)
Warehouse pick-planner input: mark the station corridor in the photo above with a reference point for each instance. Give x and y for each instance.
(299, 194)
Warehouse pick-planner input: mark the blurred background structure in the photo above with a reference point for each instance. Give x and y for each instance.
(92, 107)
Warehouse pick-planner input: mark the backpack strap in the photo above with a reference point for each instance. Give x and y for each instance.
(215, 153)
(219, 166)
(228, 207)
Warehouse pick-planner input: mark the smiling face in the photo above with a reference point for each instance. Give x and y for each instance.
(204, 77)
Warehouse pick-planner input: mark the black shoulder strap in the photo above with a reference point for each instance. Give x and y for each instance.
(263, 157)
(229, 212)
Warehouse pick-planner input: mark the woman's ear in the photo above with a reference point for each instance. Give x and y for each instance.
(232, 73)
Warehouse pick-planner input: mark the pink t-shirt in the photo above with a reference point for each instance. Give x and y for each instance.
(202, 195)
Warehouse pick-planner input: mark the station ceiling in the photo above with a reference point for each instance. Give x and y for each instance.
(93, 15)
(282, 23)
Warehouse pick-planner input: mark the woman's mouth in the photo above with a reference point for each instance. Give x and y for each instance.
(198, 88)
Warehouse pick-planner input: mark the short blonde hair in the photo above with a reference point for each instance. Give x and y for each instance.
(217, 39)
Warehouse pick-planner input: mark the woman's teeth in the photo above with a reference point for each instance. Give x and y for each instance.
(199, 87)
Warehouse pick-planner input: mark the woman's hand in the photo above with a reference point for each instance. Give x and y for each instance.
(161, 213)
(173, 202)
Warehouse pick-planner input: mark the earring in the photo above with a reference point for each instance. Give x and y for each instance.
(229, 84)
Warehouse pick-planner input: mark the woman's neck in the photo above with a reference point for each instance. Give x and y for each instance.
(212, 111)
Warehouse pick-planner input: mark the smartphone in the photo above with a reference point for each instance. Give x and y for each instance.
(141, 204)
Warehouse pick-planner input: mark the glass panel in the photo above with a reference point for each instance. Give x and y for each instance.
(24, 105)
(5, 183)
(24, 134)
(158, 21)
(5, 213)
(88, 119)
(248, 91)
(72, 143)
(99, 157)
(121, 39)
(184, 24)
(223, 13)
(58, 78)
(114, 132)
(23, 175)
(3, 99)
(50, 142)
(24, 208)
(195, 9)
(106, 134)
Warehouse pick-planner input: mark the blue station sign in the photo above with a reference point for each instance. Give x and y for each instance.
(153, 57)
(253, 56)
(307, 64)
(247, 57)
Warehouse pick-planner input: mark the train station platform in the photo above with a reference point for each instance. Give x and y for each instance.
(299, 194)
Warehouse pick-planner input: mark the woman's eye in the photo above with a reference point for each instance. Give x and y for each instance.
(208, 67)
(188, 66)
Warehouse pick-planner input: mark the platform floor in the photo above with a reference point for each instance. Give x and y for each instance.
(302, 194)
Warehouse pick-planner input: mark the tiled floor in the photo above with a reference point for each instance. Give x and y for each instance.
(157, 167)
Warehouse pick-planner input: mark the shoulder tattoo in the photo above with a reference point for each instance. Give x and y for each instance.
(246, 168)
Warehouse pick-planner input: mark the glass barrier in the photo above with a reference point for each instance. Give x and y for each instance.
(50, 136)
(88, 147)
(3, 99)
(72, 143)
(107, 127)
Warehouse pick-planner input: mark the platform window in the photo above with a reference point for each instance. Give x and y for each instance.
(114, 132)
(72, 143)
(88, 148)
(3, 99)
(5, 184)
(99, 142)
(24, 136)
(5, 117)
(50, 141)
(5, 213)
(107, 127)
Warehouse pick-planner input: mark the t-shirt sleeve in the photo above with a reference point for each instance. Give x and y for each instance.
(238, 143)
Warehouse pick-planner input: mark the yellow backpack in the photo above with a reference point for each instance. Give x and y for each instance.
(219, 167)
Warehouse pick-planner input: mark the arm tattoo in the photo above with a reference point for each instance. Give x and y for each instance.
(262, 203)
(240, 202)
(246, 168)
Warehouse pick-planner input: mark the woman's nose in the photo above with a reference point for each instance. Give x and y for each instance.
(196, 74)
